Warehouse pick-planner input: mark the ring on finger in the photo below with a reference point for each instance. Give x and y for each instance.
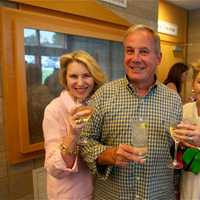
(190, 138)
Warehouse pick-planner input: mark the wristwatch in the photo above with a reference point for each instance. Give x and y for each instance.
(67, 150)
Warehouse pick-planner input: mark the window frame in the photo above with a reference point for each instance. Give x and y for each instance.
(13, 23)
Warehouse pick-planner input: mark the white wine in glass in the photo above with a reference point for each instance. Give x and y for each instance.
(84, 118)
(175, 163)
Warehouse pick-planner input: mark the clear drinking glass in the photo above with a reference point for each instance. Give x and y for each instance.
(140, 136)
(84, 118)
(175, 164)
(87, 116)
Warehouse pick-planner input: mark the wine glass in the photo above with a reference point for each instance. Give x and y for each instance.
(82, 106)
(140, 136)
(84, 118)
(175, 164)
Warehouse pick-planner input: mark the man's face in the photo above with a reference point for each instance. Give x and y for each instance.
(140, 57)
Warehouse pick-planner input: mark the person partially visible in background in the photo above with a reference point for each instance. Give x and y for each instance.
(176, 76)
(67, 175)
(189, 133)
(52, 82)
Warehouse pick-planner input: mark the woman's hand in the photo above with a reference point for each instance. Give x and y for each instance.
(188, 134)
(77, 118)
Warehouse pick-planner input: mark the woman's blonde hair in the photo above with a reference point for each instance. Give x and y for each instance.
(88, 61)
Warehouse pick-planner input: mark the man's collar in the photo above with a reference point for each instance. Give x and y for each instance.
(156, 82)
(131, 85)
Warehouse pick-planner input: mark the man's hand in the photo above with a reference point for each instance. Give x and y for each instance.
(120, 156)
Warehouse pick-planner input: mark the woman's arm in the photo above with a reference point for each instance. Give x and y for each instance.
(55, 133)
(61, 142)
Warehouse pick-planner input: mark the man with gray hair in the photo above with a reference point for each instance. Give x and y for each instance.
(110, 153)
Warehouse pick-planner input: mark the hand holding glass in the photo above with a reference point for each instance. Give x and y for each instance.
(186, 135)
(140, 136)
(175, 163)
(83, 118)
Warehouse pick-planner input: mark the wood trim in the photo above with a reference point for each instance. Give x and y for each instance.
(76, 26)
(88, 9)
(25, 146)
(10, 101)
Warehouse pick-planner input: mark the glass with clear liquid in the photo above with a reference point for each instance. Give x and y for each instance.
(140, 136)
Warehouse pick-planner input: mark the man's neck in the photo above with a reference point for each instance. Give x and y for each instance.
(142, 89)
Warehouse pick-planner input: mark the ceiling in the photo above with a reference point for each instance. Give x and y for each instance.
(187, 4)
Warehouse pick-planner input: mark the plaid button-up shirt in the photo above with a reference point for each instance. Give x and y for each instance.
(117, 105)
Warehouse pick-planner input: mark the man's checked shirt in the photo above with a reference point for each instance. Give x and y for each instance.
(116, 106)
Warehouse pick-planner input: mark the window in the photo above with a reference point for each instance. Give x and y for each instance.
(42, 52)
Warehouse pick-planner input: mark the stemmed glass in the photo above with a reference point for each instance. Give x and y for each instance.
(140, 136)
(175, 164)
(82, 106)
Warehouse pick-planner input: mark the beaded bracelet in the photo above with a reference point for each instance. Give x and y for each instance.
(67, 150)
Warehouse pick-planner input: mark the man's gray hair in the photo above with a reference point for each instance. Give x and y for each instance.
(140, 27)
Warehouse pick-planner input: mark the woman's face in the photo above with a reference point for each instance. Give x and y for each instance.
(184, 76)
(196, 87)
(80, 82)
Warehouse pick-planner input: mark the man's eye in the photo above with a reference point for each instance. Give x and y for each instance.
(129, 51)
(144, 51)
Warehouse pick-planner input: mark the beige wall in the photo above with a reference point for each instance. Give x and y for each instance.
(16, 180)
(137, 12)
(193, 47)
(175, 15)
(194, 36)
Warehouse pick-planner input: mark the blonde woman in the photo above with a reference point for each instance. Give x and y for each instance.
(67, 175)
